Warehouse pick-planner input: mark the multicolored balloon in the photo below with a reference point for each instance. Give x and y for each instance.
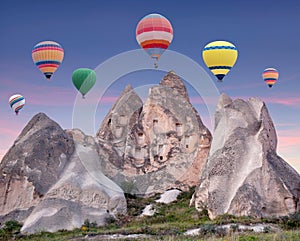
(270, 76)
(17, 102)
(220, 57)
(47, 56)
(83, 80)
(154, 33)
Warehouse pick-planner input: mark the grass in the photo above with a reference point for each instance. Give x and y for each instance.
(291, 235)
(168, 223)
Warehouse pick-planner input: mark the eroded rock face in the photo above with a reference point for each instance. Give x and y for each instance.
(163, 144)
(81, 193)
(243, 174)
(31, 166)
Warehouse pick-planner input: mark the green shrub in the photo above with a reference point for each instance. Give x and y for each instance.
(248, 238)
(267, 229)
(234, 227)
(87, 223)
(129, 188)
(292, 221)
(207, 229)
(12, 226)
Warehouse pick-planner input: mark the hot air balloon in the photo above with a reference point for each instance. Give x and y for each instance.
(84, 79)
(154, 33)
(47, 56)
(270, 76)
(17, 102)
(220, 57)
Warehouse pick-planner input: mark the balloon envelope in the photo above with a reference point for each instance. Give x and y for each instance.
(220, 57)
(17, 102)
(47, 56)
(154, 33)
(270, 76)
(84, 79)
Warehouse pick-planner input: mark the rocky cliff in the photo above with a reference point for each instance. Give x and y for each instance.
(78, 194)
(48, 180)
(53, 179)
(32, 165)
(243, 174)
(154, 146)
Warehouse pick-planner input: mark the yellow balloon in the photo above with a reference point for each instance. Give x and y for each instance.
(220, 57)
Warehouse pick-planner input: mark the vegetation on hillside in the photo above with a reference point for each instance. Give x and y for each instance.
(168, 223)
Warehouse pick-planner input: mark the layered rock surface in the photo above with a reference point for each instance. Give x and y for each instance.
(31, 166)
(243, 174)
(162, 143)
(80, 193)
(51, 179)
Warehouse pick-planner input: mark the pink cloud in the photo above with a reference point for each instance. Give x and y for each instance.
(108, 99)
(240, 86)
(285, 141)
(289, 138)
(50, 95)
(287, 124)
(198, 100)
(8, 132)
(287, 101)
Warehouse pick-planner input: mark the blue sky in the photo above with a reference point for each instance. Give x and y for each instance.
(266, 34)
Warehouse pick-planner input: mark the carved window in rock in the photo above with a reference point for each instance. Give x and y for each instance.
(187, 141)
(160, 151)
(139, 157)
(109, 122)
(179, 128)
(160, 148)
(118, 131)
(139, 153)
(155, 126)
(140, 138)
(122, 120)
(204, 140)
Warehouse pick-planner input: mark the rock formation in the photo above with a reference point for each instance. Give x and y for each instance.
(51, 179)
(80, 193)
(31, 166)
(152, 147)
(243, 174)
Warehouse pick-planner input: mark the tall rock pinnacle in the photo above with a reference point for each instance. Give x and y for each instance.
(243, 174)
(157, 145)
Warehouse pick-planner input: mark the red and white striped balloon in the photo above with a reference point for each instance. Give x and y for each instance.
(154, 33)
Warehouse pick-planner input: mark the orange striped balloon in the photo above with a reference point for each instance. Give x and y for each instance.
(47, 56)
(154, 33)
(270, 76)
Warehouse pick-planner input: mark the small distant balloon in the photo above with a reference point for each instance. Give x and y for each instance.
(84, 79)
(47, 56)
(270, 76)
(154, 33)
(17, 102)
(220, 57)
